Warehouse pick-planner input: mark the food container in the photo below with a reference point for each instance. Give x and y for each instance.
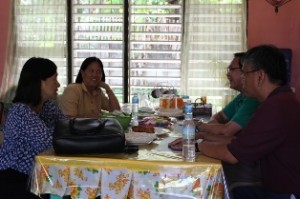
(171, 102)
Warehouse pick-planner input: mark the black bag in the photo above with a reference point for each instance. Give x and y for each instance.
(88, 136)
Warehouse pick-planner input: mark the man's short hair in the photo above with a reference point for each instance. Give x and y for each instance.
(240, 56)
(270, 59)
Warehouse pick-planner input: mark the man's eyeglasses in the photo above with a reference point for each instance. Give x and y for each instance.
(250, 71)
(231, 69)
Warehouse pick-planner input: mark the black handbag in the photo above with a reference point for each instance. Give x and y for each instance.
(88, 136)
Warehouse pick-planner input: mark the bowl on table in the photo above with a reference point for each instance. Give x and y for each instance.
(123, 118)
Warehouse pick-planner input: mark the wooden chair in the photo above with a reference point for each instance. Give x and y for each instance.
(4, 106)
(1, 113)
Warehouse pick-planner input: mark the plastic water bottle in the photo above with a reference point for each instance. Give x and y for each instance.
(188, 134)
(135, 109)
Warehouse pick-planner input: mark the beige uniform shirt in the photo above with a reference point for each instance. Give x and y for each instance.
(76, 101)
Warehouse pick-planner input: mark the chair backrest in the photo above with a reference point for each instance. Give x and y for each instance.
(1, 110)
(288, 54)
(1, 113)
(4, 106)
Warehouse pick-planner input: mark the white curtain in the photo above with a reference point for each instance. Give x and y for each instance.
(37, 29)
(213, 32)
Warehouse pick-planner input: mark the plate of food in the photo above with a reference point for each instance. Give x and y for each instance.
(145, 112)
(161, 131)
(139, 138)
(156, 121)
(141, 115)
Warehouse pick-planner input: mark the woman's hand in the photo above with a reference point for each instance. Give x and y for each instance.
(113, 102)
(105, 86)
(102, 84)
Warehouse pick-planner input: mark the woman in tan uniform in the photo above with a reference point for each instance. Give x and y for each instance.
(85, 97)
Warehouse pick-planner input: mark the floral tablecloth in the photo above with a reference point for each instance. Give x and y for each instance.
(84, 177)
(154, 172)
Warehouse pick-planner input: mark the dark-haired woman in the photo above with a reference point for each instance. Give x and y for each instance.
(85, 98)
(29, 126)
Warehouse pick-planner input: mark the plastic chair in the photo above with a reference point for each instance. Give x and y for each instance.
(288, 55)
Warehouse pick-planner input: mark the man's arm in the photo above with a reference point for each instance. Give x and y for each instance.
(214, 138)
(219, 125)
(219, 117)
(217, 150)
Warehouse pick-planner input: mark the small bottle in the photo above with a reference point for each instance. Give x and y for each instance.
(188, 134)
(135, 109)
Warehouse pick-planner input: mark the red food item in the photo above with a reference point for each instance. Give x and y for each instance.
(147, 129)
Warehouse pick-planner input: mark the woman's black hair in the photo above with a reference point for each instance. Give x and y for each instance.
(84, 66)
(33, 72)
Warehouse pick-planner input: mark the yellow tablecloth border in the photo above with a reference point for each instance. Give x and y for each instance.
(134, 165)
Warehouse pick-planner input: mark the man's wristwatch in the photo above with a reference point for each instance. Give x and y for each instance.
(197, 144)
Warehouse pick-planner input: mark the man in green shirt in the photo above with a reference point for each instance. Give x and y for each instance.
(236, 114)
(226, 124)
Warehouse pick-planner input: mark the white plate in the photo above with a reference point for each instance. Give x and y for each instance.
(172, 113)
(161, 131)
(139, 138)
(142, 115)
(146, 109)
